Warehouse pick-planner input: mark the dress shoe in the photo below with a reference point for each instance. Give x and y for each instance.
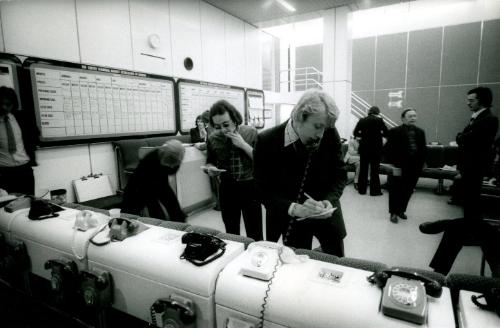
(403, 216)
(394, 218)
(432, 228)
(377, 194)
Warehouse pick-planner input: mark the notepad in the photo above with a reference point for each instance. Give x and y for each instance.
(326, 212)
(92, 187)
(203, 167)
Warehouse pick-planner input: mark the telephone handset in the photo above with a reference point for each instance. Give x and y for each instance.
(175, 311)
(265, 257)
(202, 248)
(96, 289)
(64, 280)
(405, 293)
(121, 228)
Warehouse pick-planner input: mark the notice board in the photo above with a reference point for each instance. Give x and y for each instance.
(77, 101)
(195, 97)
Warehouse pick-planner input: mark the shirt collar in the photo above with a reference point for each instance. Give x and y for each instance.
(290, 135)
(476, 114)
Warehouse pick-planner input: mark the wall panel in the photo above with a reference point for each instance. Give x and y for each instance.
(104, 30)
(40, 28)
(363, 64)
(454, 114)
(391, 61)
(253, 57)
(425, 101)
(235, 50)
(489, 69)
(151, 45)
(186, 38)
(424, 58)
(391, 103)
(213, 44)
(460, 54)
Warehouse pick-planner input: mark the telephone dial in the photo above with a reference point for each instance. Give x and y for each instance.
(96, 288)
(202, 248)
(64, 280)
(405, 293)
(121, 228)
(175, 311)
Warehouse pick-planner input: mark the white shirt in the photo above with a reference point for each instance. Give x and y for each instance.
(20, 157)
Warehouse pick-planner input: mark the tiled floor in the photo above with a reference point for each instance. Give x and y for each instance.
(372, 236)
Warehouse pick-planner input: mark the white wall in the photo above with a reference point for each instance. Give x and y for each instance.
(423, 14)
(117, 33)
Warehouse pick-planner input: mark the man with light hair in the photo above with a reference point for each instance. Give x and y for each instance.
(300, 173)
(148, 186)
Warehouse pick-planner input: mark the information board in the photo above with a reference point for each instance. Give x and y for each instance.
(195, 97)
(76, 101)
(255, 108)
(9, 65)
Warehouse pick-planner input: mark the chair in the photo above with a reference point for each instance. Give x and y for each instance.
(200, 229)
(319, 256)
(362, 264)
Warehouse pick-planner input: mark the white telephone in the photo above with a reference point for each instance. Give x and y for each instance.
(264, 258)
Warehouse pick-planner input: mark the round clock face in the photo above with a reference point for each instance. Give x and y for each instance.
(405, 294)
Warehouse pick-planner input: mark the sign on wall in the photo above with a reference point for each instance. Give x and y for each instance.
(76, 101)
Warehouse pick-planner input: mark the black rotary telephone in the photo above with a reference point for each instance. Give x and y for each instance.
(405, 293)
(202, 248)
(175, 311)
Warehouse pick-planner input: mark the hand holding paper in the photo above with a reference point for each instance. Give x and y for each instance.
(326, 213)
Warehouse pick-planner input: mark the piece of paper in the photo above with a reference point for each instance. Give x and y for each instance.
(326, 212)
(203, 167)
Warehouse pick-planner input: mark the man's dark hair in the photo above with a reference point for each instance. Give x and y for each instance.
(10, 94)
(483, 94)
(374, 110)
(403, 114)
(223, 106)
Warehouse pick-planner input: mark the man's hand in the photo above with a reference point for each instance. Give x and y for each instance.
(326, 206)
(213, 171)
(237, 139)
(314, 206)
(302, 211)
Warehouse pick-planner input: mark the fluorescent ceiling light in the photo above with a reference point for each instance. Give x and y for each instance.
(286, 5)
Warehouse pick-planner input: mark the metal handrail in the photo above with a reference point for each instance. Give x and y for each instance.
(314, 77)
(364, 110)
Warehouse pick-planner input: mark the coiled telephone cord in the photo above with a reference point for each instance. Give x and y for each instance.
(268, 288)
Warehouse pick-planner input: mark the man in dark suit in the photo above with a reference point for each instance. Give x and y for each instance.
(300, 173)
(475, 146)
(370, 130)
(406, 150)
(148, 186)
(18, 140)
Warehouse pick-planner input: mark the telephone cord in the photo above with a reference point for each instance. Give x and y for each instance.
(268, 288)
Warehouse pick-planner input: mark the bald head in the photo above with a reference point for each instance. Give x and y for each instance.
(171, 153)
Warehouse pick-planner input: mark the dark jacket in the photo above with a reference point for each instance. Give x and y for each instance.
(475, 143)
(195, 135)
(279, 170)
(397, 147)
(370, 129)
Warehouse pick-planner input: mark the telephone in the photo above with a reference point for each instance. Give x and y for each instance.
(121, 228)
(405, 293)
(96, 288)
(14, 258)
(175, 311)
(265, 257)
(85, 221)
(202, 248)
(64, 280)
(492, 300)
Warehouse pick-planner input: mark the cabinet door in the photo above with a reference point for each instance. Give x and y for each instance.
(40, 28)
(151, 47)
(104, 29)
(186, 36)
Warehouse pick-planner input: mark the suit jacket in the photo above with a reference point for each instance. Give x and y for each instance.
(29, 132)
(370, 129)
(475, 143)
(279, 170)
(397, 147)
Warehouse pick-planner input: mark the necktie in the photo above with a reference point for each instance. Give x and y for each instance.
(11, 141)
